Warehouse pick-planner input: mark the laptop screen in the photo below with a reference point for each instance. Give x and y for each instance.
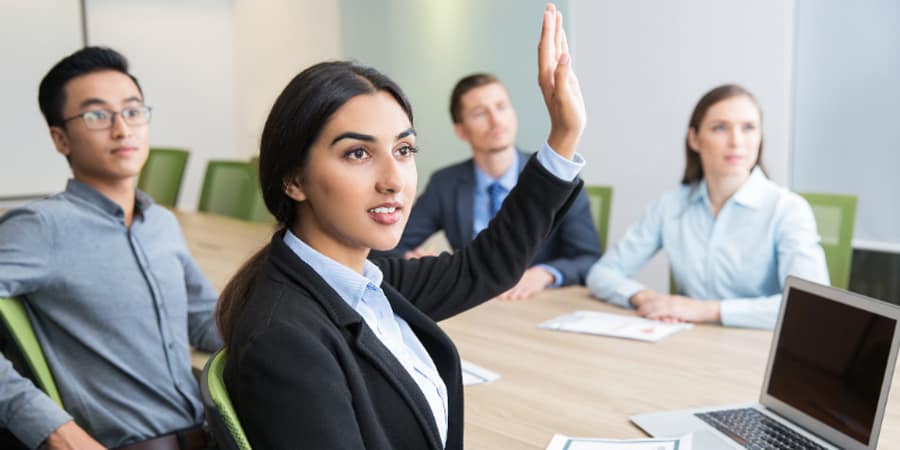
(830, 361)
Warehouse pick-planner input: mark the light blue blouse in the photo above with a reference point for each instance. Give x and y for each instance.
(761, 235)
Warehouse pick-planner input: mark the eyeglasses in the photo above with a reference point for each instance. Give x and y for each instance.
(103, 119)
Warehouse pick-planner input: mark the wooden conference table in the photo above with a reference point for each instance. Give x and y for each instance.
(555, 382)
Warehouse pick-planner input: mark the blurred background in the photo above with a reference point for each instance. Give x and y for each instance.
(825, 72)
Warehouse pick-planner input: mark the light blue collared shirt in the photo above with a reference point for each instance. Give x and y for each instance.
(481, 204)
(363, 293)
(762, 234)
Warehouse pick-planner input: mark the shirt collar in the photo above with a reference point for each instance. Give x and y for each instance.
(90, 195)
(507, 180)
(349, 285)
(750, 194)
(699, 192)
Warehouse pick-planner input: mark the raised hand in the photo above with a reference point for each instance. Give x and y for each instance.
(559, 85)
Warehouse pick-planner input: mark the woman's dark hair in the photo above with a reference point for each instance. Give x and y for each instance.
(693, 169)
(295, 122)
(52, 91)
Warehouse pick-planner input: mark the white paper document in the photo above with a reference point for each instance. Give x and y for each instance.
(562, 442)
(617, 325)
(473, 374)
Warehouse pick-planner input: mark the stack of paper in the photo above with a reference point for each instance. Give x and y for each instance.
(473, 374)
(629, 327)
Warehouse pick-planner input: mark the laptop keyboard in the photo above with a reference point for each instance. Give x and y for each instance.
(756, 431)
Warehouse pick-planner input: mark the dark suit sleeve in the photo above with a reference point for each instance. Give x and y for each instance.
(424, 220)
(577, 244)
(273, 368)
(445, 285)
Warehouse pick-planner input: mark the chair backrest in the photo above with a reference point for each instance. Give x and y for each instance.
(220, 414)
(257, 211)
(673, 287)
(15, 318)
(227, 188)
(835, 217)
(601, 203)
(161, 176)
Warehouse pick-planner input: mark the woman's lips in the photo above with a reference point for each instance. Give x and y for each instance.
(386, 215)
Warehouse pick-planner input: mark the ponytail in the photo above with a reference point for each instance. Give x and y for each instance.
(237, 292)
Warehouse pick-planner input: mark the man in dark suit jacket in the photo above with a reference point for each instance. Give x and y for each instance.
(462, 198)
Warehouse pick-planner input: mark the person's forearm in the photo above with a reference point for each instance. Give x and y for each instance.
(69, 436)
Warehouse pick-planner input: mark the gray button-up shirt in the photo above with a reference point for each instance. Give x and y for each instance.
(114, 309)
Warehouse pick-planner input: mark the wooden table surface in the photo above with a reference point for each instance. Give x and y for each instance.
(552, 381)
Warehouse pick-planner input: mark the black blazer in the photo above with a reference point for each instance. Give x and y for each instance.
(446, 204)
(305, 371)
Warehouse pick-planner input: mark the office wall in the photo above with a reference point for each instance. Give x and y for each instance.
(33, 35)
(213, 68)
(847, 137)
(426, 46)
(183, 55)
(273, 41)
(643, 65)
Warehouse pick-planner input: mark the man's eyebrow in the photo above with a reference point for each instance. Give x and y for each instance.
(91, 102)
(96, 101)
(353, 135)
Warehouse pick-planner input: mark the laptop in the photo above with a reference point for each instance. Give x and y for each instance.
(826, 385)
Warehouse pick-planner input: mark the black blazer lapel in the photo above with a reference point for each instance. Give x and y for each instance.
(439, 346)
(368, 345)
(363, 339)
(444, 355)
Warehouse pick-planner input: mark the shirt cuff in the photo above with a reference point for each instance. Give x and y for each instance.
(557, 275)
(41, 418)
(562, 168)
(759, 312)
(622, 295)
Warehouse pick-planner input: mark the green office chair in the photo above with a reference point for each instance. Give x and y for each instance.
(161, 176)
(601, 203)
(227, 188)
(257, 211)
(673, 288)
(220, 414)
(16, 321)
(835, 217)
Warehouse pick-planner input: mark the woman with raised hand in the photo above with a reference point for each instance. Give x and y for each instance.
(330, 350)
(731, 235)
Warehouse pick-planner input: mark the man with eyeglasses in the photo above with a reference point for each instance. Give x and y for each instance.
(112, 291)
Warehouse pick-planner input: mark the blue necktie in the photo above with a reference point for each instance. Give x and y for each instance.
(496, 191)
